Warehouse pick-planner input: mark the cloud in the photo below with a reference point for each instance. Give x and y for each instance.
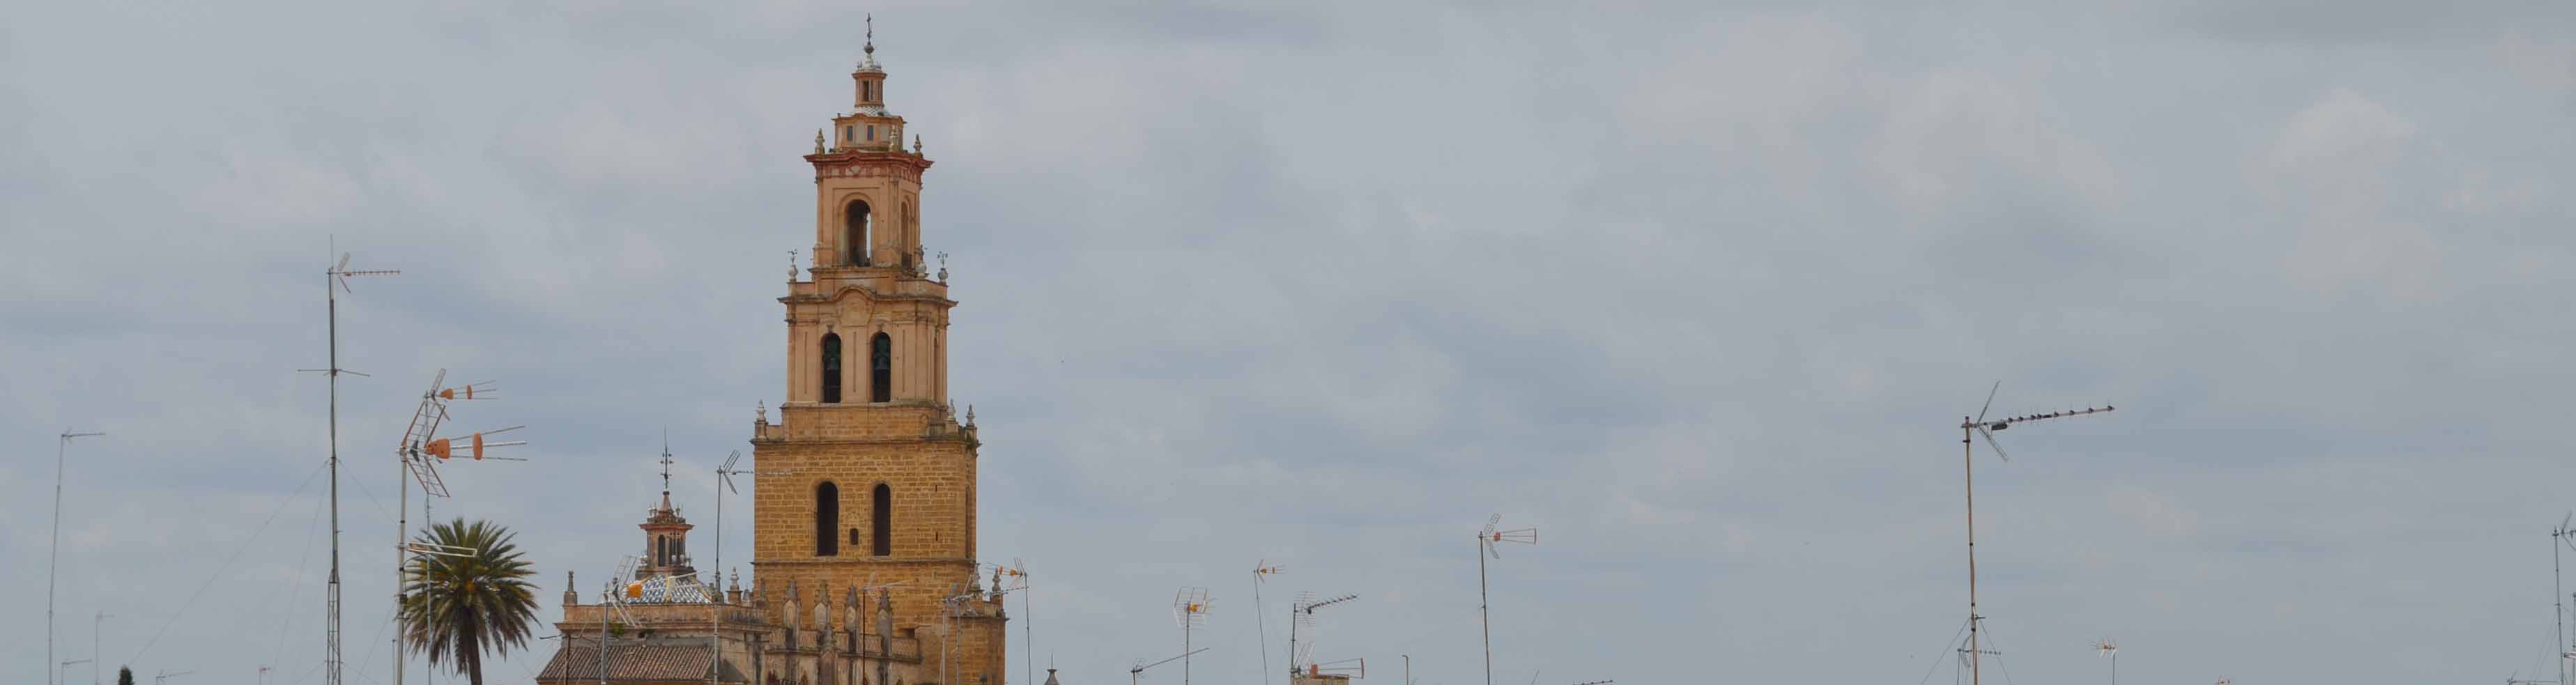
(1697, 291)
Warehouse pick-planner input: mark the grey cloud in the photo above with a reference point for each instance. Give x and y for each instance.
(1695, 290)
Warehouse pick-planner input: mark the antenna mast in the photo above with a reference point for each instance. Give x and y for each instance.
(1262, 570)
(1485, 542)
(2110, 649)
(420, 452)
(1969, 430)
(1302, 615)
(1015, 578)
(2562, 536)
(54, 551)
(1137, 673)
(334, 281)
(724, 477)
(1189, 611)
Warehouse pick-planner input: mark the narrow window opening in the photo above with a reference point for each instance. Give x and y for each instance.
(827, 517)
(854, 537)
(872, 132)
(661, 551)
(881, 369)
(883, 518)
(831, 368)
(854, 233)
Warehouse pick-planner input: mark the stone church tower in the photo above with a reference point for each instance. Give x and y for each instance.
(867, 479)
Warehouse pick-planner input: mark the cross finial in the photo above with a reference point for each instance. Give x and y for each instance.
(871, 47)
(666, 464)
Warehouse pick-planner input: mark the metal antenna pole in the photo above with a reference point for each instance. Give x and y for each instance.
(335, 280)
(402, 534)
(1484, 609)
(1189, 611)
(1969, 430)
(1485, 541)
(54, 553)
(93, 645)
(1967, 458)
(2558, 593)
(331, 651)
(1136, 674)
(724, 482)
(2110, 648)
(1261, 570)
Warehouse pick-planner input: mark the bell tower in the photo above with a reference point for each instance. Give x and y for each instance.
(867, 479)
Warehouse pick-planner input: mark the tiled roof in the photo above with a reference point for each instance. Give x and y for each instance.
(580, 663)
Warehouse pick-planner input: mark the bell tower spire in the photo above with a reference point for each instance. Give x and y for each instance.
(867, 477)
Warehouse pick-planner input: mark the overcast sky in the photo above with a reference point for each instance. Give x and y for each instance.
(1699, 290)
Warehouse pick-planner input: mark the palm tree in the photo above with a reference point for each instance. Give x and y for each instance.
(456, 608)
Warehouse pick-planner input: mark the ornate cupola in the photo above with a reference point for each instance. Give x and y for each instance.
(869, 127)
(869, 185)
(666, 534)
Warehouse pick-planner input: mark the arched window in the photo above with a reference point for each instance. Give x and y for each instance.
(832, 367)
(854, 238)
(661, 551)
(881, 369)
(882, 518)
(827, 518)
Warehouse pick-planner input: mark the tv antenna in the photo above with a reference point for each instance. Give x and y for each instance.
(1301, 655)
(612, 604)
(1969, 430)
(1485, 542)
(2106, 647)
(1262, 570)
(335, 280)
(1015, 578)
(54, 550)
(162, 676)
(1189, 611)
(420, 452)
(2561, 537)
(1137, 673)
(2517, 679)
(724, 477)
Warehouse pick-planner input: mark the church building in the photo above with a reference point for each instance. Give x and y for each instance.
(864, 509)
